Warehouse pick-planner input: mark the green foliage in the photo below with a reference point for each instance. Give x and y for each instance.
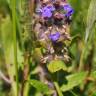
(73, 81)
(4, 8)
(37, 55)
(91, 18)
(40, 86)
(8, 56)
(58, 89)
(93, 74)
(56, 65)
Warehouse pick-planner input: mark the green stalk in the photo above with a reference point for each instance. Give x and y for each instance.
(31, 11)
(13, 2)
(81, 64)
(74, 94)
(58, 89)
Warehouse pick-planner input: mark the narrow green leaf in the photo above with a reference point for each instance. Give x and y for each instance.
(40, 86)
(91, 18)
(13, 2)
(8, 50)
(56, 65)
(73, 81)
(74, 94)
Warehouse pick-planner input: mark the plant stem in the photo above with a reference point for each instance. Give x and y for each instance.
(81, 60)
(13, 2)
(73, 93)
(58, 89)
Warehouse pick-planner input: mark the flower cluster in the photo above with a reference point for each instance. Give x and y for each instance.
(55, 9)
(54, 12)
(54, 20)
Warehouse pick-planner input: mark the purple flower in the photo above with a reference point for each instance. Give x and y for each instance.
(69, 10)
(54, 37)
(47, 11)
(69, 13)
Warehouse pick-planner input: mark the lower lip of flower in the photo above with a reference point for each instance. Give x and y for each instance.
(69, 13)
(54, 37)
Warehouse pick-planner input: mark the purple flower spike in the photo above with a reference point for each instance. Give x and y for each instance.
(54, 37)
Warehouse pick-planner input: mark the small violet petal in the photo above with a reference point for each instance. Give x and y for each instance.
(69, 13)
(47, 11)
(54, 37)
(68, 9)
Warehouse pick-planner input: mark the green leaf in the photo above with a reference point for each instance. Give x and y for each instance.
(91, 18)
(74, 80)
(93, 74)
(56, 65)
(94, 94)
(74, 39)
(40, 86)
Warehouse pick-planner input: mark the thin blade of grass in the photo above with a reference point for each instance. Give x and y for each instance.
(91, 18)
(13, 2)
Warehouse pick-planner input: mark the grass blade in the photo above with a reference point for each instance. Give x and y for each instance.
(13, 2)
(91, 18)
